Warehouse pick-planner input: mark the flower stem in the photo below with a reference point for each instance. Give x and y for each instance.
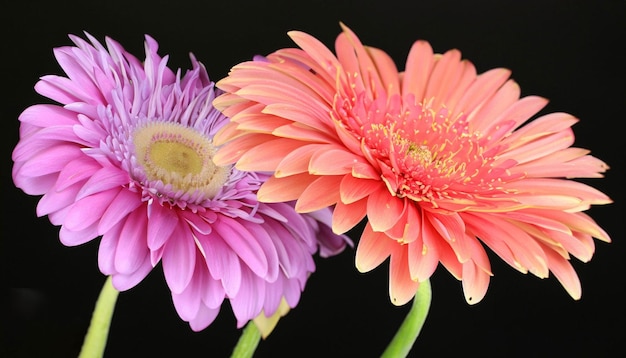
(402, 342)
(97, 334)
(248, 341)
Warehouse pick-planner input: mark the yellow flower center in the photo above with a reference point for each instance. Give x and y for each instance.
(179, 156)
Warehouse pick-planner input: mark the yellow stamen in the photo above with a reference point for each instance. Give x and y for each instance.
(179, 156)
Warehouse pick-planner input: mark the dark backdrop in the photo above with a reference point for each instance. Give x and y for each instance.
(569, 52)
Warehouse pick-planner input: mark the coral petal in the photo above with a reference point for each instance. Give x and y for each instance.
(384, 210)
(373, 248)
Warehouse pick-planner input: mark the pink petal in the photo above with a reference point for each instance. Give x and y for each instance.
(88, 211)
(106, 250)
(103, 180)
(52, 160)
(248, 302)
(78, 237)
(179, 259)
(123, 204)
(132, 249)
(222, 262)
(123, 282)
(188, 302)
(243, 243)
(55, 200)
(161, 224)
(203, 318)
(76, 171)
(47, 115)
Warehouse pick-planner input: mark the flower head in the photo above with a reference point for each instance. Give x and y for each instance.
(128, 156)
(436, 157)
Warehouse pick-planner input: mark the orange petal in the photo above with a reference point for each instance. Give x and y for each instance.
(353, 189)
(505, 97)
(332, 161)
(475, 282)
(564, 272)
(384, 209)
(276, 190)
(419, 64)
(316, 50)
(445, 74)
(484, 87)
(452, 229)
(373, 248)
(519, 112)
(267, 155)
(386, 70)
(347, 216)
(424, 252)
(401, 287)
(321, 193)
(557, 187)
(355, 59)
(234, 149)
(408, 228)
(297, 161)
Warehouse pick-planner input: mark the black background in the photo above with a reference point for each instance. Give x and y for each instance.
(569, 52)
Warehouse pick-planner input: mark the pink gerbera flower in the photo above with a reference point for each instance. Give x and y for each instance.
(129, 157)
(436, 157)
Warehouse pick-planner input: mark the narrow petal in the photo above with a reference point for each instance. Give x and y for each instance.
(401, 287)
(564, 272)
(419, 65)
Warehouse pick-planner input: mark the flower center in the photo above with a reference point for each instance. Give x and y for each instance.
(179, 157)
(422, 152)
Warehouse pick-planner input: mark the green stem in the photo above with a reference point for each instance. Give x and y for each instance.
(97, 334)
(248, 342)
(402, 342)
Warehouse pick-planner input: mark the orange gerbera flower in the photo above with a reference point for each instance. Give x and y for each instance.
(436, 157)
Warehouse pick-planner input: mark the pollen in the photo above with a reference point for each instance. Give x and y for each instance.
(180, 157)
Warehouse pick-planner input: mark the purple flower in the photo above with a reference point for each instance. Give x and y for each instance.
(128, 156)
